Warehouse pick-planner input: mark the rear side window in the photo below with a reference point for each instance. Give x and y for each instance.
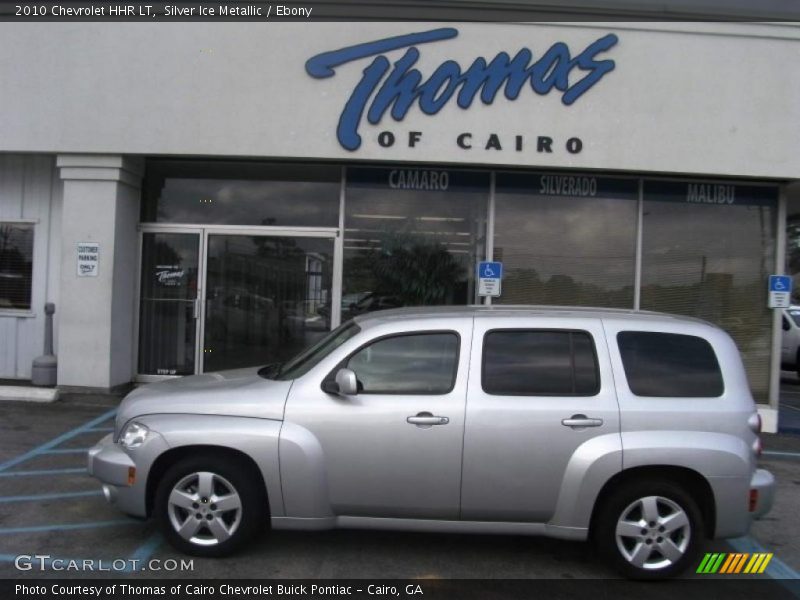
(669, 365)
(530, 362)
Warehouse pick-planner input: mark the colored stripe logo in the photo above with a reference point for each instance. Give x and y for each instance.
(734, 563)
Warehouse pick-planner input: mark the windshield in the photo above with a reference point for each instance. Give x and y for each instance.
(310, 357)
(795, 314)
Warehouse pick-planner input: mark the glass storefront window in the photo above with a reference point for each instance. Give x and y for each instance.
(225, 193)
(16, 265)
(566, 239)
(267, 298)
(707, 250)
(167, 329)
(412, 237)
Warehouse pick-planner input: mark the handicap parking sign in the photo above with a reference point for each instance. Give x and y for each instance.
(490, 275)
(780, 291)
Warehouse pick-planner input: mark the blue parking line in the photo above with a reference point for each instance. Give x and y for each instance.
(67, 526)
(781, 454)
(57, 440)
(146, 550)
(37, 497)
(66, 451)
(43, 472)
(777, 569)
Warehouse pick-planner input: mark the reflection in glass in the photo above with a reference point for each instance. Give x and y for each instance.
(712, 261)
(411, 247)
(409, 364)
(669, 365)
(564, 250)
(169, 288)
(16, 265)
(241, 194)
(267, 298)
(539, 363)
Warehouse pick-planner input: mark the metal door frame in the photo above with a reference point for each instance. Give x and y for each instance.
(203, 231)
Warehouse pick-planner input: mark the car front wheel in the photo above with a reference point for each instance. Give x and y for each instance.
(650, 530)
(209, 506)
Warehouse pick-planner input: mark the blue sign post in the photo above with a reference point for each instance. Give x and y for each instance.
(490, 275)
(780, 291)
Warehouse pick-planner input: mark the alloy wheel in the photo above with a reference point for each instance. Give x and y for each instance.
(653, 533)
(204, 508)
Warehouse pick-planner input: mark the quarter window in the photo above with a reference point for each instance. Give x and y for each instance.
(16, 265)
(669, 365)
(539, 363)
(407, 364)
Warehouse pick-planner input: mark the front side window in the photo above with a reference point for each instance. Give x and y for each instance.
(539, 363)
(16, 265)
(423, 363)
(669, 365)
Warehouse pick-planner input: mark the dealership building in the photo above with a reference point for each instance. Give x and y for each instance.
(202, 196)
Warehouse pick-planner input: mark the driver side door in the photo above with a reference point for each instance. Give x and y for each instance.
(380, 459)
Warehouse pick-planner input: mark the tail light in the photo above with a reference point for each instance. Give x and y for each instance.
(753, 505)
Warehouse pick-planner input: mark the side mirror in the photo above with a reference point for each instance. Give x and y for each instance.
(329, 386)
(347, 382)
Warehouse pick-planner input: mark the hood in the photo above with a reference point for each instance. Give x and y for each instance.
(238, 393)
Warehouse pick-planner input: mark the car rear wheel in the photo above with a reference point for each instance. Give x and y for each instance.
(210, 505)
(650, 530)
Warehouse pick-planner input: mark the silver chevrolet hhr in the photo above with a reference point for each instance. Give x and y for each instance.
(635, 430)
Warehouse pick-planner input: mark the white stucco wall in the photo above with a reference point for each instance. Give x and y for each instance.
(695, 98)
(30, 190)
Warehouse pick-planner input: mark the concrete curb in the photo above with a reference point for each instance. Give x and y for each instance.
(28, 394)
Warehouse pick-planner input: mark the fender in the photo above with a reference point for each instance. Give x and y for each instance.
(592, 464)
(304, 477)
(596, 461)
(257, 438)
(727, 456)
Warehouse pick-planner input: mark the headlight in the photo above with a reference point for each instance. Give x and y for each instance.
(133, 435)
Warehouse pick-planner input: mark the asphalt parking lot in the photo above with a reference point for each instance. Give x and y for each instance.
(50, 506)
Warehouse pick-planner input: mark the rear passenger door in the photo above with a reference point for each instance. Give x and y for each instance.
(540, 391)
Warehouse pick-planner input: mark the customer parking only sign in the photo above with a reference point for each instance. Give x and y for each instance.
(780, 291)
(490, 275)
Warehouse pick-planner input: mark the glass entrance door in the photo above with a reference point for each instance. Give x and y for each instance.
(266, 297)
(168, 309)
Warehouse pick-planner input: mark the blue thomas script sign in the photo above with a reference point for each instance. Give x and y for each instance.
(397, 86)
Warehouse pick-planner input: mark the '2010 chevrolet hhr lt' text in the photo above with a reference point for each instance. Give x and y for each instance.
(636, 430)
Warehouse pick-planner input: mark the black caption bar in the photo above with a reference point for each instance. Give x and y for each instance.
(394, 10)
(357, 589)
(223, 10)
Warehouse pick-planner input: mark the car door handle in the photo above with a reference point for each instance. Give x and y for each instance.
(580, 421)
(427, 419)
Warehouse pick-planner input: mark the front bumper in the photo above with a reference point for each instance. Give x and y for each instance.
(123, 473)
(763, 482)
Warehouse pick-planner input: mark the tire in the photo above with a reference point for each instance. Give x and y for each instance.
(667, 536)
(234, 511)
(797, 363)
